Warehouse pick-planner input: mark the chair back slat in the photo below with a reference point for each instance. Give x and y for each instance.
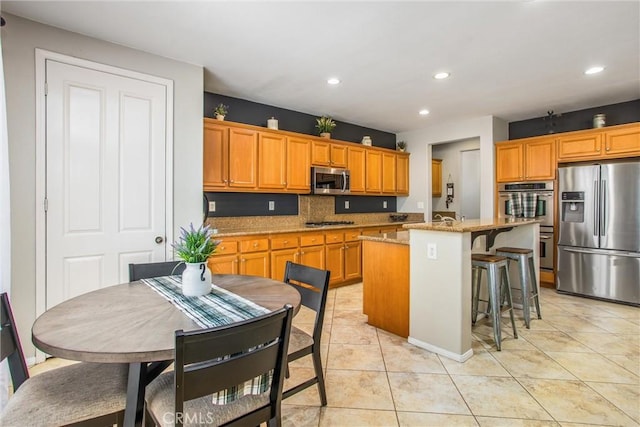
(155, 269)
(11, 348)
(313, 285)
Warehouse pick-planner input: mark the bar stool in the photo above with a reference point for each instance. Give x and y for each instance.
(524, 257)
(498, 283)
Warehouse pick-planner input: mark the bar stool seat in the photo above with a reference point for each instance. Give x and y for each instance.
(498, 283)
(528, 282)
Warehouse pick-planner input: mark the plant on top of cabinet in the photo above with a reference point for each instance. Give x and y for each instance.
(401, 145)
(325, 125)
(220, 111)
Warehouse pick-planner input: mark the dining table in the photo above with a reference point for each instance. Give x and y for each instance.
(132, 323)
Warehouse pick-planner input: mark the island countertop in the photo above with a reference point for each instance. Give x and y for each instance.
(401, 237)
(471, 225)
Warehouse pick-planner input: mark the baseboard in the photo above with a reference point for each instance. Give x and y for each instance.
(441, 351)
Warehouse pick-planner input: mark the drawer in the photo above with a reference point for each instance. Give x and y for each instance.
(351, 235)
(226, 247)
(284, 242)
(334, 237)
(312, 239)
(254, 245)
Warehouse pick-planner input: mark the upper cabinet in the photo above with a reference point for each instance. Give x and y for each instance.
(356, 165)
(531, 159)
(272, 161)
(389, 173)
(402, 174)
(328, 154)
(298, 164)
(374, 171)
(230, 158)
(602, 143)
(436, 177)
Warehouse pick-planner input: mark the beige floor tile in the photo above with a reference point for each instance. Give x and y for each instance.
(498, 397)
(514, 422)
(541, 324)
(624, 396)
(307, 361)
(574, 402)
(584, 307)
(630, 363)
(554, 341)
(300, 416)
(482, 363)
(349, 317)
(608, 343)
(531, 364)
(355, 356)
(354, 334)
(49, 364)
(421, 419)
(387, 338)
(593, 367)
(340, 417)
(619, 310)
(348, 303)
(426, 393)
(358, 389)
(304, 316)
(567, 323)
(307, 397)
(616, 325)
(407, 357)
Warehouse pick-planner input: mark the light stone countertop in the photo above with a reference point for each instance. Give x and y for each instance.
(400, 237)
(471, 225)
(301, 228)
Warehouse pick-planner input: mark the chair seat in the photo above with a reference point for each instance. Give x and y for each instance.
(70, 394)
(520, 251)
(299, 340)
(161, 402)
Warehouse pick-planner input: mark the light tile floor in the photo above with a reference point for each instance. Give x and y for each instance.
(579, 365)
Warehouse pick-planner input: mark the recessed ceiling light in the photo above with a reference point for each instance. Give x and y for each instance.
(440, 76)
(333, 81)
(423, 112)
(594, 70)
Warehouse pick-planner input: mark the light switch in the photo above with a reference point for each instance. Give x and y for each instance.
(272, 205)
(346, 204)
(212, 206)
(384, 204)
(432, 251)
(420, 205)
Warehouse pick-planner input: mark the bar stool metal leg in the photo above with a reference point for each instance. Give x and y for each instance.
(507, 285)
(534, 286)
(494, 297)
(475, 293)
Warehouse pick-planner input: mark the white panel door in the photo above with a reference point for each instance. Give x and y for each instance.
(105, 185)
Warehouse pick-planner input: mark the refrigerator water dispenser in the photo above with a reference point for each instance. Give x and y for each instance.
(572, 206)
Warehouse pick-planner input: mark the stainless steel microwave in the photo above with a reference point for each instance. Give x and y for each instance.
(329, 181)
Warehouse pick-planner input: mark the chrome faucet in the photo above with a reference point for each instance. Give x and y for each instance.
(443, 218)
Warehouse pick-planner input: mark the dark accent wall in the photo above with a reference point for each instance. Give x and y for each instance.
(616, 114)
(253, 113)
(365, 204)
(251, 204)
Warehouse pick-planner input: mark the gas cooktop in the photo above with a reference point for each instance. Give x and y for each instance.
(327, 223)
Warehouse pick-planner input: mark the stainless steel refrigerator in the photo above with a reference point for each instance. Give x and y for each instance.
(599, 232)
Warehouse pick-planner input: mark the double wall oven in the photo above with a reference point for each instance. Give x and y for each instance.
(543, 212)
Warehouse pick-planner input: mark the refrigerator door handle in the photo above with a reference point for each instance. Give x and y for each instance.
(596, 217)
(603, 209)
(602, 252)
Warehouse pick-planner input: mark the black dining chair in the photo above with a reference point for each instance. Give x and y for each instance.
(155, 269)
(83, 394)
(229, 364)
(313, 285)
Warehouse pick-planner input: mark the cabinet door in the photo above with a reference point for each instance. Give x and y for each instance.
(356, 167)
(436, 178)
(540, 159)
(279, 261)
(388, 173)
(223, 264)
(509, 159)
(320, 153)
(338, 156)
(272, 160)
(243, 158)
(215, 173)
(374, 172)
(625, 141)
(402, 175)
(579, 147)
(255, 264)
(334, 258)
(299, 165)
(313, 256)
(352, 260)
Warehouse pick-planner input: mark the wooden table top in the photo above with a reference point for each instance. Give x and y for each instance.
(131, 323)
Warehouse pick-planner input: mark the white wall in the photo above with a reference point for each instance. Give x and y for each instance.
(488, 129)
(20, 37)
(450, 155)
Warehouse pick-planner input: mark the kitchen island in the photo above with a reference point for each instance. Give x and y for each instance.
(440, 277)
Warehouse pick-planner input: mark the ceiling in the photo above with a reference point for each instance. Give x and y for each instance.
(513, 60)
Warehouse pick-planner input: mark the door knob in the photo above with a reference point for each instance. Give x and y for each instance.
(159, 239)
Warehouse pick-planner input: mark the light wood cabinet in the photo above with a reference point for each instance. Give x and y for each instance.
(402, 175)
(284, 247)
(272, 161)
(243, 158)
(532, 159)
(357, 168)
(298, 165)
(215, 171)
(389, 173)
(255, 264)
(313, 256)
(334, 259)
(603, 143)
(225, 258)
(374, 171)
(436, 177)
(328, 154)
(580, 146)
(623, 141)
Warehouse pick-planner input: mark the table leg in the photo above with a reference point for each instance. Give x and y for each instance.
(135, 394)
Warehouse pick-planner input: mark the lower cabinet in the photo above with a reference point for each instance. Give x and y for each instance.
(248, 256)
(223, 264)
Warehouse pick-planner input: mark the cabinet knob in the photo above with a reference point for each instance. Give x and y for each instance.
(255, 245)
(286, 241)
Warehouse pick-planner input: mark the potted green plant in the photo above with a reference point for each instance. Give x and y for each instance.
(401, 145)
(220, 111)
(194, 247)
(325, 125)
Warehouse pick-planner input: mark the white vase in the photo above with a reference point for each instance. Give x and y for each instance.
(219, 116)
(196, 279)
(325, 134)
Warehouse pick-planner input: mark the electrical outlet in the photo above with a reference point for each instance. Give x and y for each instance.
(272, 205)
(346, 204)
(212, 206)
(432, 251)
(420, 205)
(384, 204)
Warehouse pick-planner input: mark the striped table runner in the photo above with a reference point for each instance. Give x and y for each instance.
(218, 307)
